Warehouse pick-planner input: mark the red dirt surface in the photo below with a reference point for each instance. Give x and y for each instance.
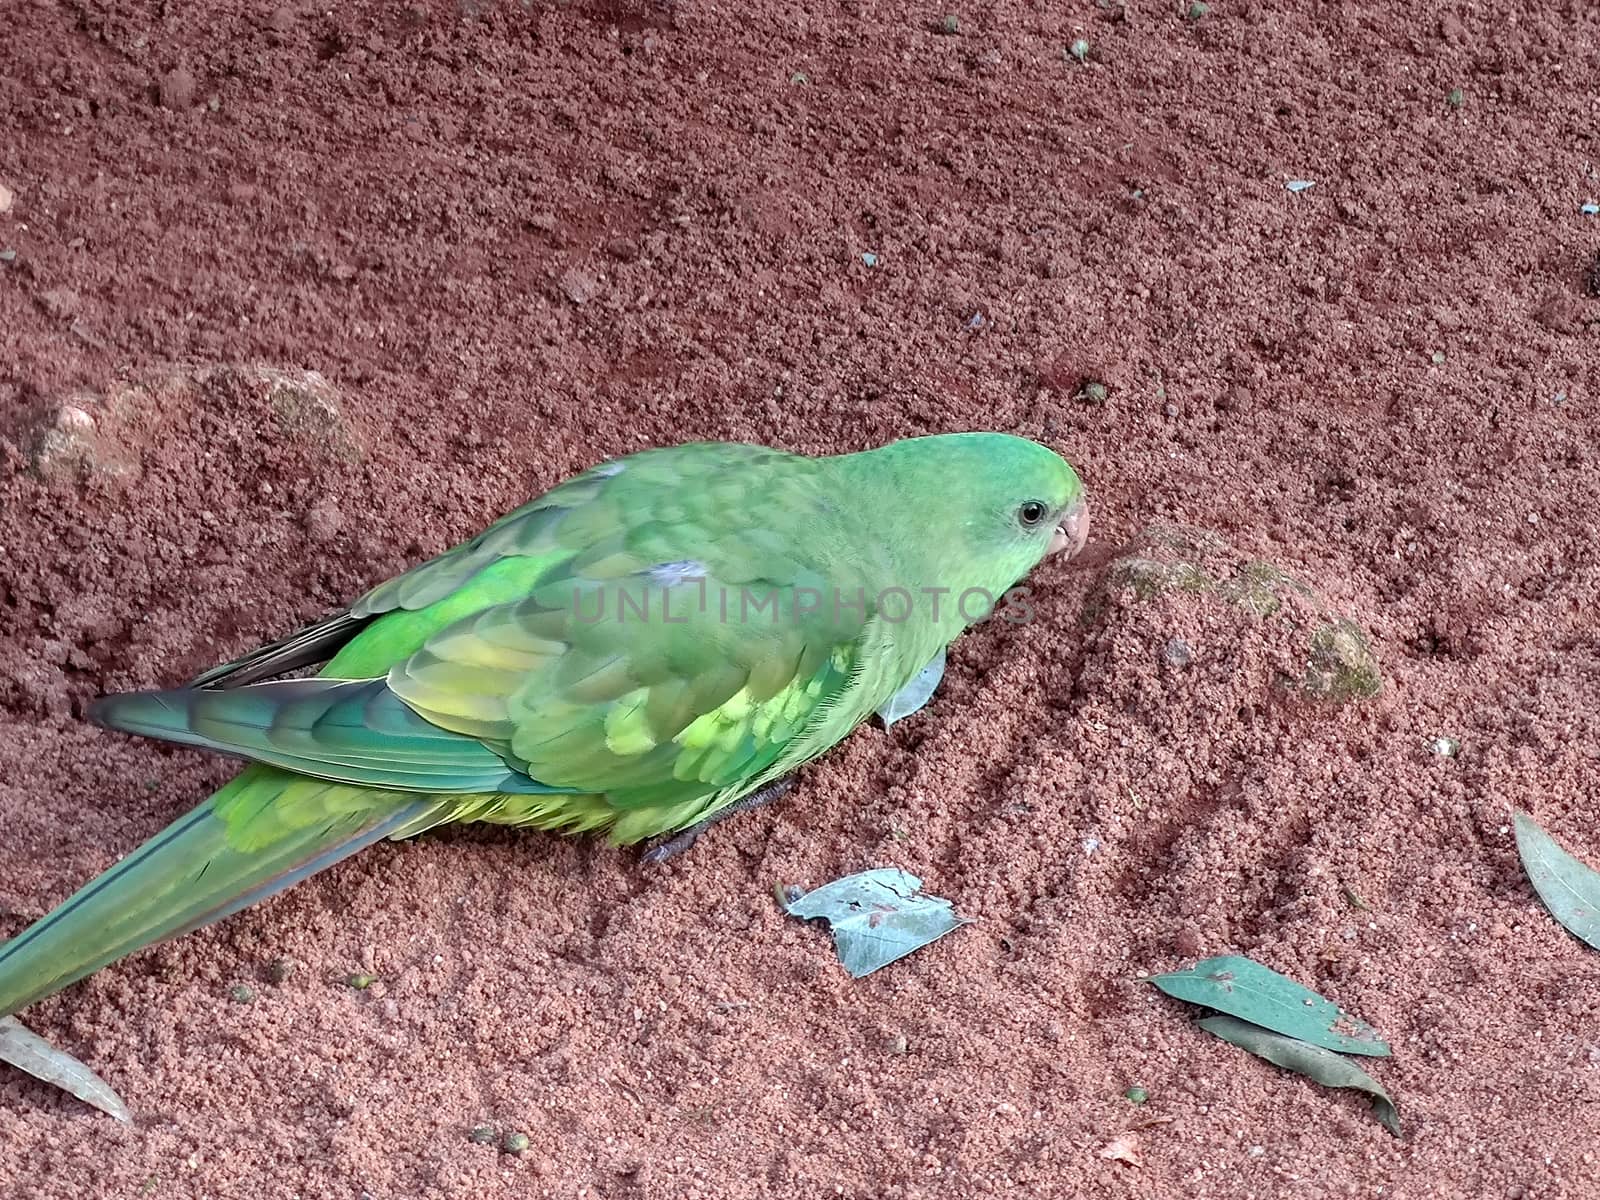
(516, 240)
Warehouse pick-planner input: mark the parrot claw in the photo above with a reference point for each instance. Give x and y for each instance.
(675, 844)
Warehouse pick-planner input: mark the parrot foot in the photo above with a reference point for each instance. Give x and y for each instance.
(675, 844)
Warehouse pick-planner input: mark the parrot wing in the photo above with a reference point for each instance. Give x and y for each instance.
(527, 532)
(652, 630)
(528, 697)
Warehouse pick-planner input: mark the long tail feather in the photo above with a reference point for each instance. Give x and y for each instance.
(260, 834)
(352, 731)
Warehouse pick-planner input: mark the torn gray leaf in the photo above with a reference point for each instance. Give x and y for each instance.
(876, 917)
(29, 1052)
(916, 694)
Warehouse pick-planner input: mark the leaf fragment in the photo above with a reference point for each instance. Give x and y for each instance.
(1123, 1148)
(1244, 988)
(29, 1052)
(916, 694)
(1569, 889)
(876, 916)
(1315, 1063)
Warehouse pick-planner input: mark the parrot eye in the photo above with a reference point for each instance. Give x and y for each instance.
(1032, 512)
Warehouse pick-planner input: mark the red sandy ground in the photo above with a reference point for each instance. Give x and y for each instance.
(518, 240)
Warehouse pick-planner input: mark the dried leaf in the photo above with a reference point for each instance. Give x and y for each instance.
(29, 1052)
(1246, 989)
(1123, 1148)
(1569, 889)
(876, 917)
(1315, 1063)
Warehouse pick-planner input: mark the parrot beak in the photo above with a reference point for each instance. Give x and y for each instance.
(1072, 531)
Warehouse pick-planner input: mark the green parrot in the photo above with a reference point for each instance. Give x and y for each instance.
(641, 649)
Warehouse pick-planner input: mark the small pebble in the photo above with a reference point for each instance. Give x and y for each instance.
(623, 249)
(7, 198)
(1178, 653)
(579, 286)
(70, 417)
(60, 303)
(176, 89)
(323, 521)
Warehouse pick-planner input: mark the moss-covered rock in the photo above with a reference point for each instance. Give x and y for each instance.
(1319, 652)
(103, 434)
(1342, 665)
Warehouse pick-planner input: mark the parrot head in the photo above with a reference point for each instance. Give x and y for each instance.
(992, 506)
(1022, 503)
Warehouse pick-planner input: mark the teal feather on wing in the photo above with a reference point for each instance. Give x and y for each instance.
(347, 731)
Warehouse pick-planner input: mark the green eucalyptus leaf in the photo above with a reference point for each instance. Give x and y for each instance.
(1315, 1063)
(1245, 989)
(1569, 889)
(29, 1052)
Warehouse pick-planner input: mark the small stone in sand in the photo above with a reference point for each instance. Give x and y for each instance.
(176, 89)
(579, 286)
